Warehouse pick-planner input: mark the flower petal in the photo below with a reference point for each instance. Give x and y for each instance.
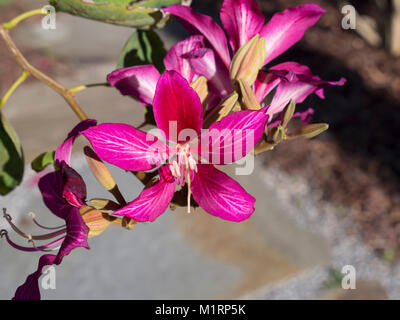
(267, 80)
(287, 27)
(126, 147)
(197, 23)
(231, 138)
(305, 116)
(174, 60)
(51, 188)
(63, 152)
(203, 63)
(77, 233)
(29, 290)
(74, 188)
(137, 81)
(264, 84)
(287, 90)
(299, 88)
(242, 19)
(176, 103)
(152, 201)
(220, 195)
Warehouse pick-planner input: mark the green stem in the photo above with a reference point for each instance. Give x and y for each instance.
(12, 23)
(15, 85)
(86, 86)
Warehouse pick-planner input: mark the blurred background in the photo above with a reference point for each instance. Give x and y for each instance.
(321, 204)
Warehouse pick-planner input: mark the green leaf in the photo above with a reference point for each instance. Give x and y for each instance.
(42, 161)
(11, 157)
(136, 13)
(143, 47)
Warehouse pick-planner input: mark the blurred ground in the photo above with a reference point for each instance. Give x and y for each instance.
(318, 202)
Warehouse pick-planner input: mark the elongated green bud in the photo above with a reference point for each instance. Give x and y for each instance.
(248, 99)
(99, 169)
(310, 131)
(248, 60)
(288, 113)
(201, 88)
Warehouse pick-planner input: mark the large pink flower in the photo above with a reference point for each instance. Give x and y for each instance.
(177, 106)
(209, 52)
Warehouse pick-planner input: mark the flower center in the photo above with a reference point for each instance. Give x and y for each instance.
(183, 163)
(182, 166)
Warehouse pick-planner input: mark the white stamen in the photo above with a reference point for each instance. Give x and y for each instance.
(192, 164)
(176, 169)
(181, 169)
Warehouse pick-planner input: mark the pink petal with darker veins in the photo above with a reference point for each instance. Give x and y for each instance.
(152, 201)
(231, 138)
(126, 147)
(177, 105)
(63, 152)
(242, 19)
(220, 195)
(288, 27)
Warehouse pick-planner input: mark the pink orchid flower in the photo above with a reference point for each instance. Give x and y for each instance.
(175, 102)
(209, 52)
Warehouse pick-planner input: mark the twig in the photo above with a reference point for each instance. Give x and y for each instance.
(68, 96)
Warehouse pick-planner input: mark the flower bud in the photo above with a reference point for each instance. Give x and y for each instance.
(227, 105)
(99, 169)
(248, 99)
(310, 131)
(200, 86)
(248, 60)
(288, 113)
(95, 220)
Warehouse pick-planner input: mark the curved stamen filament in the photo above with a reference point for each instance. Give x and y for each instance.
(4, 233)
(32, 215)
(28, 236)
(44, 248)
(189, 191)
